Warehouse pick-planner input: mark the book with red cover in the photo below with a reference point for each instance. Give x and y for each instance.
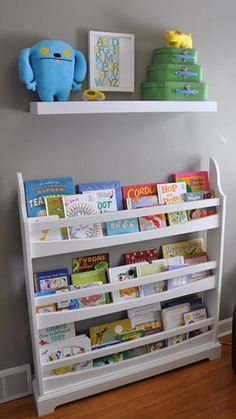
(136, 191)
(195, 181)
(140, 256)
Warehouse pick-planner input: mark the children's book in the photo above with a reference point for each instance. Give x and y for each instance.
(179, 281)
(126, 226)
(196, 196)
(151, 222)
(137, 191)
(45, 234)
(75, 346)
(142, 201)
(200, 213)
(47, 308)
(173, 340)
(158, 266)
(36, 190)
(90, 300)
(89, 277)
(195, 181)
(113, 184)
(172, 317)
(124, 273)
(156, 346)
(194, 259)
(187, 247)
(55, 334)
(145, 314)
(80, 206)
(171, 193)
(109, 332)
(54, 206)
(106, 200)
(56, 280)
(140, 256)
(132, 353)
(193, 317)
(177, 217)
(107, 360)
(91, 262)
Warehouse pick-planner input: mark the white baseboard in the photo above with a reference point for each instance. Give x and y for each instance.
(225, 327)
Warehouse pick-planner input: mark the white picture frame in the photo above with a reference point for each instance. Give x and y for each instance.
(111, 61)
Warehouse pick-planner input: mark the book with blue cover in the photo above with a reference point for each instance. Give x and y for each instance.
(36, 190)
(129, 225)
(55, 280)
(113, 184)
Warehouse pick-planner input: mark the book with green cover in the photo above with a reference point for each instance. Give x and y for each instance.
(89, 277)
(54, 206)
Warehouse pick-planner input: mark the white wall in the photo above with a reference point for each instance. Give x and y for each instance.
(132, 148)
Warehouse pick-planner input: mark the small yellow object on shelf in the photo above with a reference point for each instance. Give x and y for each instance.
(91, 94)
(178, 39)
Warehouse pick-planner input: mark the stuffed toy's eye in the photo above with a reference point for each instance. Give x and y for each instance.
(44, 50)
(67, 52)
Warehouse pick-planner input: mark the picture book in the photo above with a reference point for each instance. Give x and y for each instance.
(47, 308)
(142, 201)
(177, 217)
(45, 234)
(126, 226)
(179, 281)
(156, 346)
(107, 360)
(89, 263)
(151, 327)
(132, 353)
(194, 259)
(56, 280)
(194, 300)
(36, 190)
(113, 184)
(75, 346)
(193, 317)
(200, 213)
(106, 200)
(171, 193)
(172, 317)
(54, 206)
(196, 196)
(151, 222)
(55, 334)
(195, 181)
(140, 256)
(145, 314)
(108, 332)
(173, 340)
(151, 269)
(187, 247)
(124, 273)
(137, 191)
(79, 206)
(89, 277)
(133, 334)
(90, 300)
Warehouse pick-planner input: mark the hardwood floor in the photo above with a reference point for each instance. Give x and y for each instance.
(206, 390)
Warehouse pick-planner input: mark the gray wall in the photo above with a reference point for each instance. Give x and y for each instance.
(132, 148)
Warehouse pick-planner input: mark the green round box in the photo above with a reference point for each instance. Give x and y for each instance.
(175, 56)
(170, 90)
(175, 72)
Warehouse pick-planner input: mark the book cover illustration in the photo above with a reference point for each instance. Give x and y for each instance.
(89, 277)
(56, 280)
(172, 317)
(107, 360)
(197, 213)
(89, 263)
(109, 332)
(195, 181)
(47, 308)
(137, 191)
(151, 222)
(177, 217)
(45, 234)
(140, 256)
(106, 200)
(173, 340)
(113, 184)
(124, 273)
(145, 314)
(195, 259)
(193, 317)
(187, 247)
(36, 190)
(132, 353)
(126, 226)
(197, 196)
(90, 300)
(80, 206)
(156, 267)
(142, 201)
(54, 206)
(171, 193)
(75, 346)
(179, 281)
(157, 345)
(55, 334)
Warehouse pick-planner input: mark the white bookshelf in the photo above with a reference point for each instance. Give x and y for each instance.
(51, 391)
(131, 106)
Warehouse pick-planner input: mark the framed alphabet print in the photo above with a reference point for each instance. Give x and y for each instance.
(111, 61)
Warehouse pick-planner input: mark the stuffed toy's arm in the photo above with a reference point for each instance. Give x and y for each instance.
(25, 69)
(80, 70)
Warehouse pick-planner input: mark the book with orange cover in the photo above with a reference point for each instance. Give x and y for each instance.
(137, 191)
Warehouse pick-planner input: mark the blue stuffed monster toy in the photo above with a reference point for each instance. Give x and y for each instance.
(52, 68)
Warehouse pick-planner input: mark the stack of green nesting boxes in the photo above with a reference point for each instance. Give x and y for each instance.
(174, 75)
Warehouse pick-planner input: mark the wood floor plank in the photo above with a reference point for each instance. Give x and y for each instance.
(204, 390)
